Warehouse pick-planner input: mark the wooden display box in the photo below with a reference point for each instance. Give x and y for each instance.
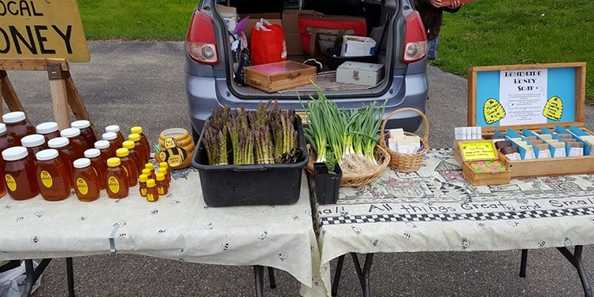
(482, 179)
(279, 76)
(565, 80)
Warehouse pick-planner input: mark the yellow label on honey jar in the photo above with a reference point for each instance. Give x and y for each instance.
(161, 190)
(150, 197)
(82, 186)
(113, 184)
(143, 192)
(10, 182)
(46, 179)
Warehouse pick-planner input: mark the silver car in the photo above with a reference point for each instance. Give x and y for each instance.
(210, 76)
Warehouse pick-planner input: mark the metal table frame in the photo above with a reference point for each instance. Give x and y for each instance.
(363, 272)
(33, 274)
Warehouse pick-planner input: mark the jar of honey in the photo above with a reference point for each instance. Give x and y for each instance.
(114, 142)
(34, 143)
(152, 194)
(105, 149)
(133, 154)
(86, 183)
(52, 175)
(142, 150)
(116, 179)
(49, 130)
(149, 173)
(165, 168)
(99, 164)
(19, 173)
(17, 125)
(85, 130)
(116, 129)
(77, 141)
(143, 139)
(162, 185)
(62, 144)
(142, 184)
(128, 165)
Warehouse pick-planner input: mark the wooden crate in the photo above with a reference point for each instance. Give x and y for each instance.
(482, 179)
(539, 167)
(279, 76)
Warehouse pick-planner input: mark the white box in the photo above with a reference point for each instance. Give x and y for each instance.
(359, 73)
(357, 46)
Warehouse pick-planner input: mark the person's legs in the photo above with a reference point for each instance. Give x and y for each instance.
(433, 44)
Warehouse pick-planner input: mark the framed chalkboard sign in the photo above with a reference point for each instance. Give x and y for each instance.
(527, 96)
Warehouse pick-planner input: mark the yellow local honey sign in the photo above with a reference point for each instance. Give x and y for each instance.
(42, 29)
(478, 150)
(553, 110)
(493, 111)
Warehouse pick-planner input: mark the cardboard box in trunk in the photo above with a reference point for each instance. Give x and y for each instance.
(359, 73)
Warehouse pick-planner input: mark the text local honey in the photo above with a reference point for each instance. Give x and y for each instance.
(21, 181)
(30, 38)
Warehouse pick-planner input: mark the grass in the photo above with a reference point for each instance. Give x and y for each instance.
(494, 32)
(486, 32)
(136, 19)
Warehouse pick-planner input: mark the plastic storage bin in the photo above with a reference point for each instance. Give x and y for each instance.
(233, 185)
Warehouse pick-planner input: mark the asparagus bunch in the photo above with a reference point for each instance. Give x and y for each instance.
(215, 141)
(284, 134)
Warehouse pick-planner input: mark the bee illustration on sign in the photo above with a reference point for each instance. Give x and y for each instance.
(493, 111)
(553, 109)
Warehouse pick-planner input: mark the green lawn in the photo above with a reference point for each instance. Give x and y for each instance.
(493, 32)
(486, 32)
(136, 19)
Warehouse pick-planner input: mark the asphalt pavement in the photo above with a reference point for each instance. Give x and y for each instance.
(142, 83)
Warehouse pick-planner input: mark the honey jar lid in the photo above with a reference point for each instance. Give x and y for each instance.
(122, 152)
(33, 140)
(47, 127)
(46, 155)
(102, 144)
(160, 176)
(58, 142)
(92, 153)
(80, 124)
(149, 166)
(136, 130)
(109, 136)
(2, 128)
(163, 165)
(112, 128)
(134, 137)
(151, 183)
(143, 178)
(113, 162)
(14, 153)
(128, 144)
(81, 163)
(146, 171)
(70, 132)
(13, 117)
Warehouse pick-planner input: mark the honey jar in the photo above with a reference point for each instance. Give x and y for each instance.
(142, 184)
(49, 130)
(116, 179)
(19, 173)
(142, 150)
(114, 142)
(143, 139)
(152, 194)
(17, 125)
(52, 175)
(34, 143)
(162, 185)
(133, 154)
(77, 142)
(86, 181)
(86, 131)
(62, 144)
(105, 149)
(128, 165)
(99, 164)
(116, 129)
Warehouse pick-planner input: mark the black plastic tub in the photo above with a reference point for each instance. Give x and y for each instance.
(234, 185)
(326, 184)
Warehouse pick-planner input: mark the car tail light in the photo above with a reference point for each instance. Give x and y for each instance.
(415, 39)
(200, 40)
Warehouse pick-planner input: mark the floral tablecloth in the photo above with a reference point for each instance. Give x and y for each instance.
(178, 226)
(436, 210)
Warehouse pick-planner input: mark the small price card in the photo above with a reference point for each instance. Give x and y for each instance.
(478, 150)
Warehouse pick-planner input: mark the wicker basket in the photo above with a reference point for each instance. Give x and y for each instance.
(407, 162)
(381, 155)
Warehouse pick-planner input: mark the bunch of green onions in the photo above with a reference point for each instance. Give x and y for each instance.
(344, 137)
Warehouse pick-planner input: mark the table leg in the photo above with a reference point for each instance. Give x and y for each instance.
(33, 274)
(336, 280)
(70, 277)
(271, 278)
(523, 263)
(259, 278)
(363, 273)
(575, 259)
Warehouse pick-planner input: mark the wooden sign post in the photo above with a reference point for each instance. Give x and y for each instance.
(43, 36)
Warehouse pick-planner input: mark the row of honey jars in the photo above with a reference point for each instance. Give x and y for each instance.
(154, 184)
